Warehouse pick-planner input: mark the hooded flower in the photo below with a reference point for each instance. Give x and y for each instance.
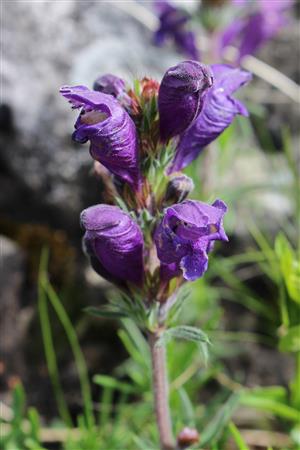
(218, 112)
(180, 96)
(249, 33)
(187, 233)
(174, 25)
(110, 84)
(114, 243)
(110, 130)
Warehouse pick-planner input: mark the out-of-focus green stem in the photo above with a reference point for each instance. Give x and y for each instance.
(49, 346)
(283, 307)
(295, 385)
(78, 355)
(47, 291)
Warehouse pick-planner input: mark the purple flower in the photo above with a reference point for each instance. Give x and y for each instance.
(110, 130)
(114, 243)
(187, 233)
(110, 84)
(180, 96)
(174, 25)
(218, 112)
(249, 33)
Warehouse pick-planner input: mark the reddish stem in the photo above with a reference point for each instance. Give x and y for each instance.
(161, 392)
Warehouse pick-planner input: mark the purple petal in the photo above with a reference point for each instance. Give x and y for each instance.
(218, 112)
(110, 130)
(249, 33)
(194, 265)
(276, 5)
(174, 25)
(180, 96)
(260, 28)
(186, 234)
(232, 33)
(114, 240)
(169, 271)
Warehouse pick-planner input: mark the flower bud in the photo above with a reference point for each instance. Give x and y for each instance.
(149, 88)
(112, 85)
(178, 189)
(219, 110)
(110, 130)
(114, 243)
(186, 235)
(187, 437)
(180, 96)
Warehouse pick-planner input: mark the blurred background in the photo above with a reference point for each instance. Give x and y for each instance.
(248, 302)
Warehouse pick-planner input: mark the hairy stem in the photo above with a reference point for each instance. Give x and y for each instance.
(161, 392)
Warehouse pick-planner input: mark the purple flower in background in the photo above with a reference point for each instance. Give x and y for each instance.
(250, 32)
(110, 130)
(186, 234)
(180, 96)
(114, 243)
(110, 84)
(218, 112)
(174, 25)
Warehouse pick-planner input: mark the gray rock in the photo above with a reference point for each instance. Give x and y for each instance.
(46, 45)
(13, 318)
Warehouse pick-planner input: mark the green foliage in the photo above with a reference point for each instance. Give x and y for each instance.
(183, 332)
(217, 424)
(272, 399)
(238, 439)
(290, 342)
(289, 266)
(123, 417)
(23, 429)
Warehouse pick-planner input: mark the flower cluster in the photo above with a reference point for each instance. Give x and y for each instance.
(174, 24)
(144, 137)
(255, 25)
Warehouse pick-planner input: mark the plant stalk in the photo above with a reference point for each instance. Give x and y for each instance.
(161, 392)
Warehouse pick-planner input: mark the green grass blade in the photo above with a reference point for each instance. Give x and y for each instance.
(48, 290)
(267, 404)
(77, 352)
(216, 426)
(49, 345)
(238, 439)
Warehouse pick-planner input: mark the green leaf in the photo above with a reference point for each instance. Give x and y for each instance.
(238, 438)
(289, 266)
(187, 407)
(34, 420)
(105, 312)
(216, 426)
(121, 204)
(183, 332)
(290, 342)
(259, 401)
(277, 393)
(18, 405)
(112, 383)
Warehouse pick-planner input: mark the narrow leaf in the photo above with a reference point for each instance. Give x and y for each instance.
(216, 426)
(290, 342)
(112, 383)
(104, 312)
(183, 332)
